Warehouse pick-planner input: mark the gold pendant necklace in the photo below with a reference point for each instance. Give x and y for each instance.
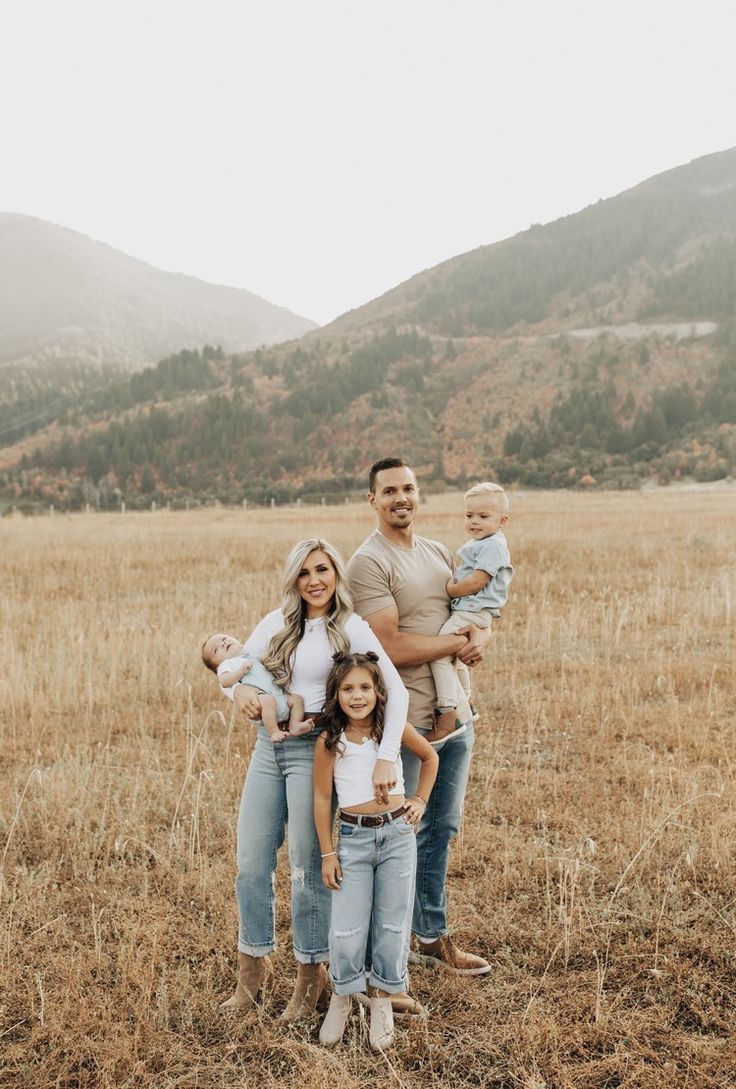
(362, 738)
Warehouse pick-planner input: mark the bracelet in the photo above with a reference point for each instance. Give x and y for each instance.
(421, 799)
(328, 853)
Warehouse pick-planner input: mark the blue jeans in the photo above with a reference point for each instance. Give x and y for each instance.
(278, 788)
(374, 901)
(441, 821)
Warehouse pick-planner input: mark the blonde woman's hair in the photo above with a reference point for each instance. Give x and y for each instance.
(486, 487)
(279, 656)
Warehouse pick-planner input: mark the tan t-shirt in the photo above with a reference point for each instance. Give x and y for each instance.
(382, 574)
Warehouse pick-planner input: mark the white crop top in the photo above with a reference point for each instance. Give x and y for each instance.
(313, 661)
(353, 774)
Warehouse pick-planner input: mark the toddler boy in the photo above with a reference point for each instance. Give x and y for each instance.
(478, 591)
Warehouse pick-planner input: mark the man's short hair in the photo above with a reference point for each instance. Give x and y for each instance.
(378, 467)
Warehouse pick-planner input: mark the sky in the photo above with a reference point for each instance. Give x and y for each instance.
(319, 152)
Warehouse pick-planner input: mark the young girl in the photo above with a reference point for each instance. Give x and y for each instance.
(372, 872)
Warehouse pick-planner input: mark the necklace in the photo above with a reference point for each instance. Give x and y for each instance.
(312, 624)
(363, 733)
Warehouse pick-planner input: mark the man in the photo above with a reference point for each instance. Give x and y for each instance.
(398, 585)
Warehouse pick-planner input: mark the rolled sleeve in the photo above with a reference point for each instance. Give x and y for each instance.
(369, 586)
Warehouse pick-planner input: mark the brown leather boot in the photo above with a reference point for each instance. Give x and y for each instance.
(252, 974)
(311, 982)
(444, 954)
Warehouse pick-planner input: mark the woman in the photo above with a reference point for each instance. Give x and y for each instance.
(297, 643)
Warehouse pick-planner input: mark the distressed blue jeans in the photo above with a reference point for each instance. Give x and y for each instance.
(440, 823)
(374, 902)
(277, 790)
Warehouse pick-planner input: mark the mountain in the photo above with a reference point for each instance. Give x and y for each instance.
(663, 250)
(66, 297)
(598, 349)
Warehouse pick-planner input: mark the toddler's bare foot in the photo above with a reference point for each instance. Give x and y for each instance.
(296, 729)
(276, 736)
(444, 725)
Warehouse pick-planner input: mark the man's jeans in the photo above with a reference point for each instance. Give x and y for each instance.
(374, 903)
(441, 821)
(278, 787)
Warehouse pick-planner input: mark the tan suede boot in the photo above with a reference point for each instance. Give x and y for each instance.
(311, 982)
(252, 974)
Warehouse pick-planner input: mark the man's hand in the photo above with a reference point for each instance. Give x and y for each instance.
(245, 698)
(384, 780)
(474, 650)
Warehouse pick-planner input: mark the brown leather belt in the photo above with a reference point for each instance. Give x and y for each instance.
(371, 820)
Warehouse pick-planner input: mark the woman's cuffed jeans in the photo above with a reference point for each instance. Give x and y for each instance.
(277, 790)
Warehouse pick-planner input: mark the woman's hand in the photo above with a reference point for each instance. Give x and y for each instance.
(245, 698)
(414, 809)
(384, 780)
(331, 872)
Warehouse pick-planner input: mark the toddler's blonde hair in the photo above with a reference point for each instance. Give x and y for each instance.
(487, 487)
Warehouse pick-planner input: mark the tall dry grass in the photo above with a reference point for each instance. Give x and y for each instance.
(595, 867)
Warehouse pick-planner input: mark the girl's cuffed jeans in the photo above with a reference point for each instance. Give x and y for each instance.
(375, 900)
(277, 789)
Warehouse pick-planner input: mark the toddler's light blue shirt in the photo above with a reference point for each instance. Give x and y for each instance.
(489, 554)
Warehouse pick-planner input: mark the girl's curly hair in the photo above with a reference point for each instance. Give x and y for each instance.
(333, 719)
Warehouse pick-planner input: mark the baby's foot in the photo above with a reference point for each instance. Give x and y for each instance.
(277, 736)
(444, 724)
(296, 729)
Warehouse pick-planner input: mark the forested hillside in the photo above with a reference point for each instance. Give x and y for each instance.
(487, 366)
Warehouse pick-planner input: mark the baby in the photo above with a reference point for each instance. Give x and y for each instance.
(224, 655)
(478, 591)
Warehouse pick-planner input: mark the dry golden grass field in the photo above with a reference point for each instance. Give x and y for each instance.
(596, 863)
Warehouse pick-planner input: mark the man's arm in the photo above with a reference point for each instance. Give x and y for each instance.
(409, 648)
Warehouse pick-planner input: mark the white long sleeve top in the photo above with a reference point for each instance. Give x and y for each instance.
(312, 664)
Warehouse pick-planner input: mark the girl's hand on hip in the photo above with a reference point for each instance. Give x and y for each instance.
(246, 701)
(332, 872)
(414, 810)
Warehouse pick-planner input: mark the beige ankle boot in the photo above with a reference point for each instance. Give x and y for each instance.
(333, 1025)
(311, 981)
(252, 974)
(381, 1033)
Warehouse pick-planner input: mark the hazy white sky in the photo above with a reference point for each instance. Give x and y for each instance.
(318, 152)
